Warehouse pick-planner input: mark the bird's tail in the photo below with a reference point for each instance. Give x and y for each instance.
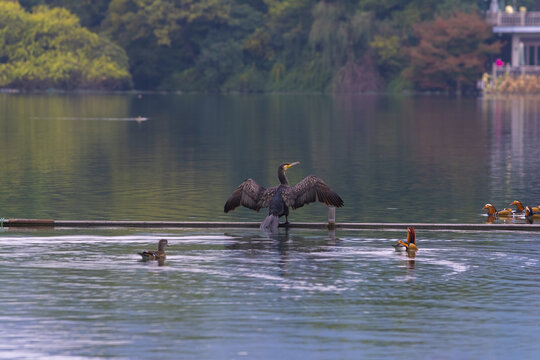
(270, 223)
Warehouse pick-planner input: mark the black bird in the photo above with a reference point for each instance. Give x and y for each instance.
(279, 198)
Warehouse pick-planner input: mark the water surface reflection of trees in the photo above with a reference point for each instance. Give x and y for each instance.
(391, 158)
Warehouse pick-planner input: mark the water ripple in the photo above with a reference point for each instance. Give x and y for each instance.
(75, 295)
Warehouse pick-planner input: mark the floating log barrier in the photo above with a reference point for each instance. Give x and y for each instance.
(47, 223)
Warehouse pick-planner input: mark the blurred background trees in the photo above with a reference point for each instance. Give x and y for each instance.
(49, 49)
(274, 45)
(450, 52)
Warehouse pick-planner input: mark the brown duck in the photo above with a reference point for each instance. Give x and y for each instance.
(156, 255)
(530, 214)
(521, 209)
(410, 245)
(492, 211)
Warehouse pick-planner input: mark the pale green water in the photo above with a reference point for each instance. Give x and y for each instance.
(237, 294)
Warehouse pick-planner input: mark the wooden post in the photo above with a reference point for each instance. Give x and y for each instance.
(331, 217)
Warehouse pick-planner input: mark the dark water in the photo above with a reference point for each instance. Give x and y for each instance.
(412, 159)
(235, 294)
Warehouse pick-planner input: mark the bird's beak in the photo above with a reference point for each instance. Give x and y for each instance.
(292, 164)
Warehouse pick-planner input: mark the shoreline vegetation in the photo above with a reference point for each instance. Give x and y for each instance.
(240, 46)
(509, 84)
(138, 92)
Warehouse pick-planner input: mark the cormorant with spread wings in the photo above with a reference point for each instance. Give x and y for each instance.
(279, 198)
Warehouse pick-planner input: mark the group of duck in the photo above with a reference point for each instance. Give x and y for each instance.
(528, 212)
(410, 246)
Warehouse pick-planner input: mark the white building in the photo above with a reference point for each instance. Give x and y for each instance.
(521, 28)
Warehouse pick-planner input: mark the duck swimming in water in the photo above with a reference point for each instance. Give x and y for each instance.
(410, 245)
(530, 214)
(156, 255)
(521, 209)
(492, 212)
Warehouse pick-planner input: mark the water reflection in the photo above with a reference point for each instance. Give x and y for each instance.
(391, 158)
(411, 264)
(514, 128)
(281, 243)
(516, 219)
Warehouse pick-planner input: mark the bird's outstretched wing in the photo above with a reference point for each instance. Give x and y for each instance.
(309, 190)
(251, 195)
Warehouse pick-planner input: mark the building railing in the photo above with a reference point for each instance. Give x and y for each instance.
(511, 80)
(515, 70)
(522, 18)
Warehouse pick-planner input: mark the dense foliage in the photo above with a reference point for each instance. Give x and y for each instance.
(273, 45)
(450, 52)
(49, 49)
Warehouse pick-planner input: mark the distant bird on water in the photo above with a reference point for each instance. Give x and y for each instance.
(492, 211)
(279, 198)
(530, 214)
(156, 255)
(521, 209)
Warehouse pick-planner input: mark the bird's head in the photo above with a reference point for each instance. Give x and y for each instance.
(411, 236)
(490, 209)
(518, 204)
(281, 172)
(162, 243)
(286, 166)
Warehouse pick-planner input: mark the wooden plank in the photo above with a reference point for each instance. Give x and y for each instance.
(28, 222)
(36, 223)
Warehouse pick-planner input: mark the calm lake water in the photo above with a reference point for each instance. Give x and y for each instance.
(237, 293)
(391, 158)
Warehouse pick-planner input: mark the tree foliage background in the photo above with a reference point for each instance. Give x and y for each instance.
(49, 49)
(275, 45)
(450, 52)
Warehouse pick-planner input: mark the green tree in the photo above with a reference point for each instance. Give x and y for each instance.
(393, 29)
(388, 53)
(451, 52)
(221, 64)
(49, 49)
(90, 12)
(340, 35)
(261, 45)
(163, 37)
(337, 32)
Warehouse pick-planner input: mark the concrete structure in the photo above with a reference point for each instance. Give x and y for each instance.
(522, 28)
